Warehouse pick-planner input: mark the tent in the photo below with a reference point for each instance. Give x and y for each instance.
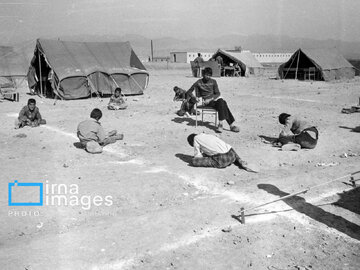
(247, 62)
(316, 64)
(72, 70)
(14, 63)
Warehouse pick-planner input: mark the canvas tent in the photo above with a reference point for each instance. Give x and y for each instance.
(316, 64)
(14, 63)
(247, 62)
(72, 70)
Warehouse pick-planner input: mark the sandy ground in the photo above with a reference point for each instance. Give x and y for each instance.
(168, 215)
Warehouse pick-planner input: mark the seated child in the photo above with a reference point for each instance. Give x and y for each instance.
(117, 102)
(296, 133)
(29, 116)
(188, 101)
(92, 136)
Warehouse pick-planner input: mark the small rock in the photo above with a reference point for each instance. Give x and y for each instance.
(227, 229)
(65, 165)
(20, 135)
(344, 155)
(230, 183)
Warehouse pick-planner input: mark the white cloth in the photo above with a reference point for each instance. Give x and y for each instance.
(209, 145)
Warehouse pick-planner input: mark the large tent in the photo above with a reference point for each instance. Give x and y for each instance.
(247, 62)
(73, 70)
(14, 64)
(316, 64)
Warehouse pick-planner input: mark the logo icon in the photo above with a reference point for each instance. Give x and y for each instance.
(25, 194)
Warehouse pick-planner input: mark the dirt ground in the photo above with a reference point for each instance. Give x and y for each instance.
(166, 214)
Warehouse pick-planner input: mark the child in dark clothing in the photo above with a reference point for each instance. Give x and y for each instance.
(188, 101)
(29, 116)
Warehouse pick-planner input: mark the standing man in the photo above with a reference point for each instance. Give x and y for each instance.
(207, 88)
(211, 151)
(198, 62)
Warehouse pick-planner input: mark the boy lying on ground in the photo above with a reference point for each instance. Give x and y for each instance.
(211, 151)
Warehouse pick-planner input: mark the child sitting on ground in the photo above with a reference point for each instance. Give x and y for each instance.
(29, 116)
(117, 102)
(92, 135)
(188, 102)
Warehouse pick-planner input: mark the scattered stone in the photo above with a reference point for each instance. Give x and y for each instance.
(65, 165)
(135, 99)
(20, 135)
(227, 229)
(331, 164)
(230, 183)
(344, 155)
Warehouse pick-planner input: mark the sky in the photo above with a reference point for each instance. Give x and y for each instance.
(22, 20)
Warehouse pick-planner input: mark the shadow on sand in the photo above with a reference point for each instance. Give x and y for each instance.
(191, 122)
(299, 204)
(78, 145)
(355, 129)
(185, 158)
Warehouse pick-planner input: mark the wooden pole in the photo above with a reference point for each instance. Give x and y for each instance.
(40, 74)
(152, 51)
(297, 65)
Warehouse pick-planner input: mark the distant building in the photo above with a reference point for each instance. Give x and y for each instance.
(272, 58)
(161, 59)
(186, 57)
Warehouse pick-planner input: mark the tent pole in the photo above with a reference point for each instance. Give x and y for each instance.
(297, 66)
(40, 74)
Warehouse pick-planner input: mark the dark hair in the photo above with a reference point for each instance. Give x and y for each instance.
(96, 114)
(208, 71)
(282, 118)
(31, 101)
(190, 139)
(176, 88)
(117, 89)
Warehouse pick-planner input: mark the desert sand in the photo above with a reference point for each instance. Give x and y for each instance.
(166, 214)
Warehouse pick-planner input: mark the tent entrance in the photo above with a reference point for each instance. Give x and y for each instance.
(43, 74)
(301, 68)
